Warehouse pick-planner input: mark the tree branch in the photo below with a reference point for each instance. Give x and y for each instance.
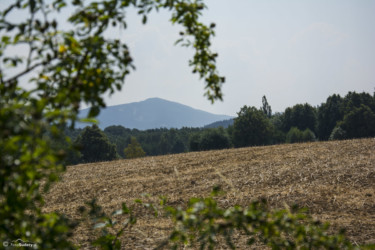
(23, 73)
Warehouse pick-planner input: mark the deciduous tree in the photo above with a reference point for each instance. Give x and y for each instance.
(95, 145)
(251, 127)
(134, 149)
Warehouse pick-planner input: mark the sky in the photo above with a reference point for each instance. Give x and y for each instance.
(291, 51)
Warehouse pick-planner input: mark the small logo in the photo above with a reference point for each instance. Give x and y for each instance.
(20, 243)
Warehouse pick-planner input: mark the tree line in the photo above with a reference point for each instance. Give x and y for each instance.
(351, 116)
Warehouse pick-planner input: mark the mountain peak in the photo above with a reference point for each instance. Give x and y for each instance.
(154, 113)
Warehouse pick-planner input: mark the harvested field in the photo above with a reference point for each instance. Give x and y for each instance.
(334, 180)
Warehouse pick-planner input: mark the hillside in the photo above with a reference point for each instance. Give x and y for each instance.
(154, 113)
(335, 180)
(224, 124)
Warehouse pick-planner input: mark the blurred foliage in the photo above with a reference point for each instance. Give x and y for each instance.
(266, 108)
(347, 117)
(295, 135)
(338, 134)
(47, 72)
(329, 113)
(94, 146)
(302, 116)
(134, 149)
(252, 127)
(204, 224)
(209, 139)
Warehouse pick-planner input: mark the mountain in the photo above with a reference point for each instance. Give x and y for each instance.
(224, 124)
(154, 113)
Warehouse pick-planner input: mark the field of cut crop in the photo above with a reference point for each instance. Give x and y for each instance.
(335, 180)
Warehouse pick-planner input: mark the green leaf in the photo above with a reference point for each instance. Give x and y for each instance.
(89, 120)
(125, 209)
(144, 19)
(94, 111)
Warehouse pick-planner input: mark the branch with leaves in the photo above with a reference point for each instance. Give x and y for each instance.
(47, 70)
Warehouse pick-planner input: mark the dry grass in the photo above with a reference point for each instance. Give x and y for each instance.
(334, 180)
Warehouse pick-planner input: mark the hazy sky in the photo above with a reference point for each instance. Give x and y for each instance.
(293, 51)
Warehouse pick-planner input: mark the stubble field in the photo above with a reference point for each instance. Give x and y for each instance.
(334, 180)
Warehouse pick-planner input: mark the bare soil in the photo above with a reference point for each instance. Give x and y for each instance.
(335, 180)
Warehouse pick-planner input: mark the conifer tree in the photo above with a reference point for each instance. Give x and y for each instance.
(134, 149)
(95, 145)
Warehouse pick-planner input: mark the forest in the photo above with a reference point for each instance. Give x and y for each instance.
(351, 116)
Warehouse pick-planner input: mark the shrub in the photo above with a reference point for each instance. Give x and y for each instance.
(338, 134)
(134, 149)
(308, 135)
(214, 139)
(194, 142)
(294, 135)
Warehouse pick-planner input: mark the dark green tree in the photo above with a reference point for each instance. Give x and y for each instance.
(251, 127)
(338, 134)
(359, 123)
(95, 145)
(164, 145)
(119, 136)
(294, 135)
(266, 108)
(278, 135)
(134, 149)
(356, 100)
(178, 146)
(329, 113)
(194, 141)
(308, 135)
(214, 139)
(302, 116)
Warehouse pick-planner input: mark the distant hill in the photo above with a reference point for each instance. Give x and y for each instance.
(224, 124)
(154, 113)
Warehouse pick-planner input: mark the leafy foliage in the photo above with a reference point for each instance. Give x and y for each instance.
(134, 149)
(214, 139)
(302, 116)
(153, 141)
(266, 108)
(251, 127)
(329, 113)
(338, 134)
(208, 139)
(359, 122)
(67, 67)
(295, 135)
(95, 145)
